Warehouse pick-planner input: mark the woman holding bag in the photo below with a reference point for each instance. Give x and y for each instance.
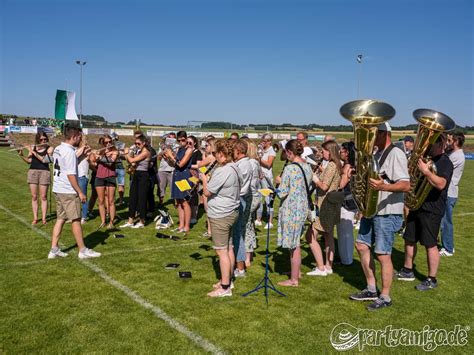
(294, 209)
(327, 184)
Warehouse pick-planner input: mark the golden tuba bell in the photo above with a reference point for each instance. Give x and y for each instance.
(365, 116)
(431, 125)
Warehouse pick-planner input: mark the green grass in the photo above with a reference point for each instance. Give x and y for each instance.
(63, 306)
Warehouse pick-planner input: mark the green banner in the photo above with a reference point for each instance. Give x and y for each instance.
(61, 105)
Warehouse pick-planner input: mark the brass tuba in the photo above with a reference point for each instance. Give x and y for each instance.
(431, 125)
(365, 116)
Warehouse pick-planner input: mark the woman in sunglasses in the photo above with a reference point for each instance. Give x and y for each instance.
(182, 164)
(39, 175)
(105, 181)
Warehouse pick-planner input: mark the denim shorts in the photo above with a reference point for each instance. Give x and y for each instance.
(379, 231)
(120, 177)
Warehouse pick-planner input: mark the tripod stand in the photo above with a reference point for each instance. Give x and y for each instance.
(266, 283)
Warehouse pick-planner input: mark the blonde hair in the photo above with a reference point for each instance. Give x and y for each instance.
(251, 149)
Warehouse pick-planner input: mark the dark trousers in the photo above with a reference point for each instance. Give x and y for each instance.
(151, 197)
(139, 194)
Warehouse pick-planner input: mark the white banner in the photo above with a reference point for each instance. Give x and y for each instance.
(71, 106)
(98, 131)
(29, 129)
(123, 132)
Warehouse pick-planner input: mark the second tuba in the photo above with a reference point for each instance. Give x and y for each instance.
(365, 116)
(431, 125)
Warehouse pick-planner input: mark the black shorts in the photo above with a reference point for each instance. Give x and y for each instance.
(104, 182)
(423, 227)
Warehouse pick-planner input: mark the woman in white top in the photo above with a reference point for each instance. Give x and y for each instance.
(250, 236)
(223, 193)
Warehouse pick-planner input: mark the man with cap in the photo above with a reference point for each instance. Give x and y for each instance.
(378, 232)
(409, 143)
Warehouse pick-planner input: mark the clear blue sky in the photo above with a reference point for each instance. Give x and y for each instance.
(261, 61)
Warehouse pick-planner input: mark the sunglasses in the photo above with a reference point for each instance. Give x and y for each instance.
(43, 139)
(190, 143)
(107, 142)
(138, 143)
(182, 140)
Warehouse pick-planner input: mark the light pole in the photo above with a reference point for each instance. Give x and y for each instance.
(81, 64)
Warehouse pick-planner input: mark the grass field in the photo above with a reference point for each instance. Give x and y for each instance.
(126, 302)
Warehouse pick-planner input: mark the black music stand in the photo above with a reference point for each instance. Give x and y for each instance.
(266, 283)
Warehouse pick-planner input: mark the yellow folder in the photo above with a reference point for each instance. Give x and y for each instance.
(265, 192)
(183, 185)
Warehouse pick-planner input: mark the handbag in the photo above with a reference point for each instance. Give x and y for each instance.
(335, 197)
(312, 212)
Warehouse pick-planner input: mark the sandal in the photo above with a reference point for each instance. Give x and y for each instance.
(288, 283)
(44, 222)
(34, 222)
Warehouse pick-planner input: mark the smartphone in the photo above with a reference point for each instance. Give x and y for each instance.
(171, 266)
(184, 274)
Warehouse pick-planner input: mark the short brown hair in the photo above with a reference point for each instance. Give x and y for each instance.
(295, 147)
(225, 147)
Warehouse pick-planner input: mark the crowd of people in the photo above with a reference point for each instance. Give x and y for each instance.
(228, 178)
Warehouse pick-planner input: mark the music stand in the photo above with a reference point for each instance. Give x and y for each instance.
(266, 283)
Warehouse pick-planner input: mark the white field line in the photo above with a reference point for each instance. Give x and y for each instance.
(464, 214)
(126, 251)
(157, 311)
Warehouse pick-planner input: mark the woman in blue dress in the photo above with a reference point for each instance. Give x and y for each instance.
(293, 207)
(182, 165)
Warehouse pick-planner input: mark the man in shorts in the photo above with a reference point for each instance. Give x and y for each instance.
(378, 232)
(68, 194)
(423, 224)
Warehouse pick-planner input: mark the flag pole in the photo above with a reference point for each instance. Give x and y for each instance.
(359, 61)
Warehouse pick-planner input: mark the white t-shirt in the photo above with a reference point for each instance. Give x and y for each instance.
(395, 168)
(270, 152)
(255, 183)
(458, 159)
(307, 151)
(224, 187)
(246, 169)
(65, 163)
(83, 168)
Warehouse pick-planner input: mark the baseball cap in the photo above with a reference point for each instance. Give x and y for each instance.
(408, 139)
(384, 127)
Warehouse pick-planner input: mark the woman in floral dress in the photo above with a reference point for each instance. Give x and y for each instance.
(293, 207)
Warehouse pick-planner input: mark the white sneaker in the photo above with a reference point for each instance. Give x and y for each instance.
(258, 223)
(317, 272)
(328, 271)
(138, 225)
(268, 226)
(126, 225)
(59, 253)
(88, 253)
(83, 221)
(444, 252)
(239, 273)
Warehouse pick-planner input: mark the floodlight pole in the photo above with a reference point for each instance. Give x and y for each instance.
(81, 64)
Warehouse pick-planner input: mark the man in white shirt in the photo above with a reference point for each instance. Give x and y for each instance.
(455, 144)
(377, 233)
(68, 194)
(302, 137)
(266, 162)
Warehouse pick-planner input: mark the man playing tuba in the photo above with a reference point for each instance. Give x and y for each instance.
(423, 224)
(379, 231)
